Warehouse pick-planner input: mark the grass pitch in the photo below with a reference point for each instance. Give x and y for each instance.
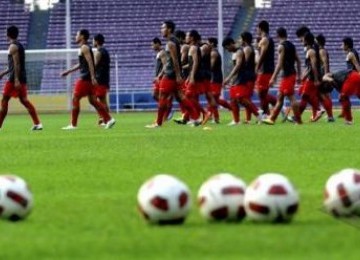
(85, 184)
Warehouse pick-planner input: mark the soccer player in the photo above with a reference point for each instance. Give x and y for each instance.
(160, 59)
(324, 92)
(309, 90)
(216, 77)
(193, 83)
(265, 66)
(239, 77)
(287, 57)
(86, 84)
(102, 72)
(347, 82)
(15, 86)
(352, 56)
(170, 84)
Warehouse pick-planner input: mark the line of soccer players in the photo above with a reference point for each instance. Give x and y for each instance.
(93, 82)
(189, 67)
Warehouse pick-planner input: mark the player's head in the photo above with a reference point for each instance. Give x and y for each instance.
(281, 33)
(229, 44)
(246, 38)
(348, 43)
(193, 37)
(213, 42)
(263, 27)
(321, 40)
(98, 40)
(180, 35)
(309, 39)
(12, 32)
(82, 36)
(167, 28)
(301, 31)
(156, 44)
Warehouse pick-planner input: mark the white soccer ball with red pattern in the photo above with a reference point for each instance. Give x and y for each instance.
(271, 198)
(342, 193)
(222, 198)
(16, 199)
(164, 199)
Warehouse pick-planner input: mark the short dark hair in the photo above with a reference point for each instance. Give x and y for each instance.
(227, 41)
(85, 33)
(348, 41)
(170, 25)
(156, 40)
(301, 31)
(180, 35)
(321, 40)
(281, 32)
(99, 38)
(264, 26)
(309, 39)
(12, 32)
(195, 34)
(213, 41)
(247, 37)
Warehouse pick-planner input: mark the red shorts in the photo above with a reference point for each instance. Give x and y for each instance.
(215, 88)
(167, 85)
(83, 88)
(351, 86)
(204, 87)
(10, 91)
(192, 90)
(239, 91)
(262, 81)
(250, 85)
(287, 85)
(308, 88)
(101, 91)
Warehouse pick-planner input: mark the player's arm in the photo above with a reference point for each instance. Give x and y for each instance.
(195, 66)
(279, 65)
(263, 46)
(213, 56)
(312, 56)
(71, 70)
(328, 77)
(238, 62)
(354, 61)
(87, 55)
(173, 54)
(324, 60)
(13, 50)
(97, 58)
(298, 67)
(184, 53)
(4, 72)
(162, 57)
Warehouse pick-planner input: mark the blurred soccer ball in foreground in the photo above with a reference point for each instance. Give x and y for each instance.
(271, 198)
(16, 199)
(164, 199)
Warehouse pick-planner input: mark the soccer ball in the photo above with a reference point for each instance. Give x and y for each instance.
(164, 199)
(271, 198)
(342, 193)
(222, 198)
(16, 200)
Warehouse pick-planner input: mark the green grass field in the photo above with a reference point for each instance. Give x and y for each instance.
(85, 184)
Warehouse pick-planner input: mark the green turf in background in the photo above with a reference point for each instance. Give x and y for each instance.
(85, 184)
